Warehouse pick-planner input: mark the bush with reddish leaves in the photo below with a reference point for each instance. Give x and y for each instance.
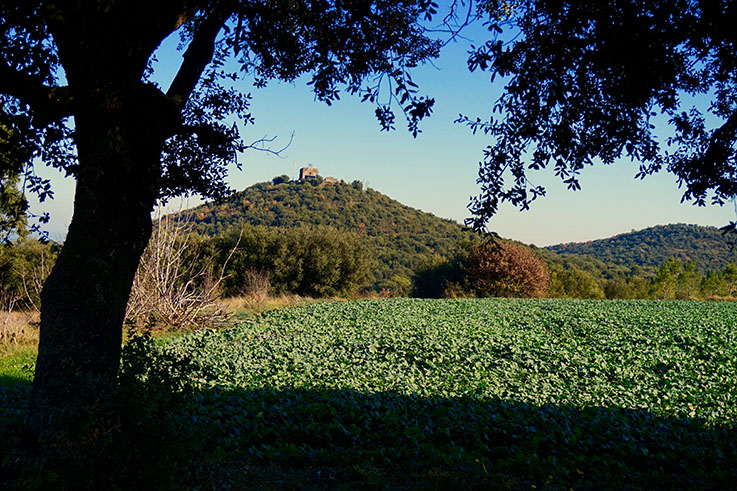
(506, 269)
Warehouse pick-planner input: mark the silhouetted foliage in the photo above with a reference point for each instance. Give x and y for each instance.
(585, 82)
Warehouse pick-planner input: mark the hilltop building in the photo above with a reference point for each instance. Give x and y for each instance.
(306, 173)
(310, 173)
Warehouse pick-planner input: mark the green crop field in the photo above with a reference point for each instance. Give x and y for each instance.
(545, 393)
(557, 391)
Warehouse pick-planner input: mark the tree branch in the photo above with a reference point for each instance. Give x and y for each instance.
(455, 21)
(199, 53)
(47, 103)
(261, 145)
(721, 141)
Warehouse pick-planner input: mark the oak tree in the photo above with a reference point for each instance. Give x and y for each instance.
(76, 94)
(593, 81)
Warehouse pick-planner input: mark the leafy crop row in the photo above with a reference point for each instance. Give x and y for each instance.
(557, 391)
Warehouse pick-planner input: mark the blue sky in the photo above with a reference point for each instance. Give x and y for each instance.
(435, 172)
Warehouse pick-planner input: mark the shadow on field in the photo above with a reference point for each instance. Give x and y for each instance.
(384, 435)
(11, 381)
(292, 438)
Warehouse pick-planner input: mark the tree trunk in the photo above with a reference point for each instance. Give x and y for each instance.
(84, 299)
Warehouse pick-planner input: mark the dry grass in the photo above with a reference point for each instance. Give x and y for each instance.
(19, 328)
(235, 308)
(255, 304)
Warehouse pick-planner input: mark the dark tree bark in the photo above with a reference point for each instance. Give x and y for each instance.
(84, 298)
(121, 124)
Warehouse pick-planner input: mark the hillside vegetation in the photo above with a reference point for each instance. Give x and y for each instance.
(333, 239)
(410, 252)
(649, 248)
(398, 237)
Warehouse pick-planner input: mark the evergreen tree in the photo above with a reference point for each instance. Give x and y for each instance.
(133, 142)
(584, 81)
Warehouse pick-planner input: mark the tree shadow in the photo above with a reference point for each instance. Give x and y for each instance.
(476, 441)
(13, 382)
(15, 393)
(308, 438)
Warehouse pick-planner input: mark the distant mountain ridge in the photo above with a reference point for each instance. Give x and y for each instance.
(706, 247)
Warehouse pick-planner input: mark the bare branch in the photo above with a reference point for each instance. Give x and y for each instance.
(170, 287)
(451, 24)
(260, 145)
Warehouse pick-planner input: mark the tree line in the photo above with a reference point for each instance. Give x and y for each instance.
(314, 261)
(510, 269)
(706, 247)
(322, 261)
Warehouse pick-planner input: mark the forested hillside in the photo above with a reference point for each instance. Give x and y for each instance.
(401, 239)
(649, 248)
(301, 233)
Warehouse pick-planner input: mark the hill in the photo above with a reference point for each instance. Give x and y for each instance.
(402, 241)
(706, 247)
(401, 238)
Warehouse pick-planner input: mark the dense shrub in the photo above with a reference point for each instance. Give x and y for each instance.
(311, 261)
(436, 274)
(574, 283)
(24, 266)
(506, 269)
(675, 281)
(319, 262)
(626, 287)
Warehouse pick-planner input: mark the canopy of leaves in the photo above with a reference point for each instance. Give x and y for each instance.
(506, 270)
(312, 261)
(56, 54)
(585, 82)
